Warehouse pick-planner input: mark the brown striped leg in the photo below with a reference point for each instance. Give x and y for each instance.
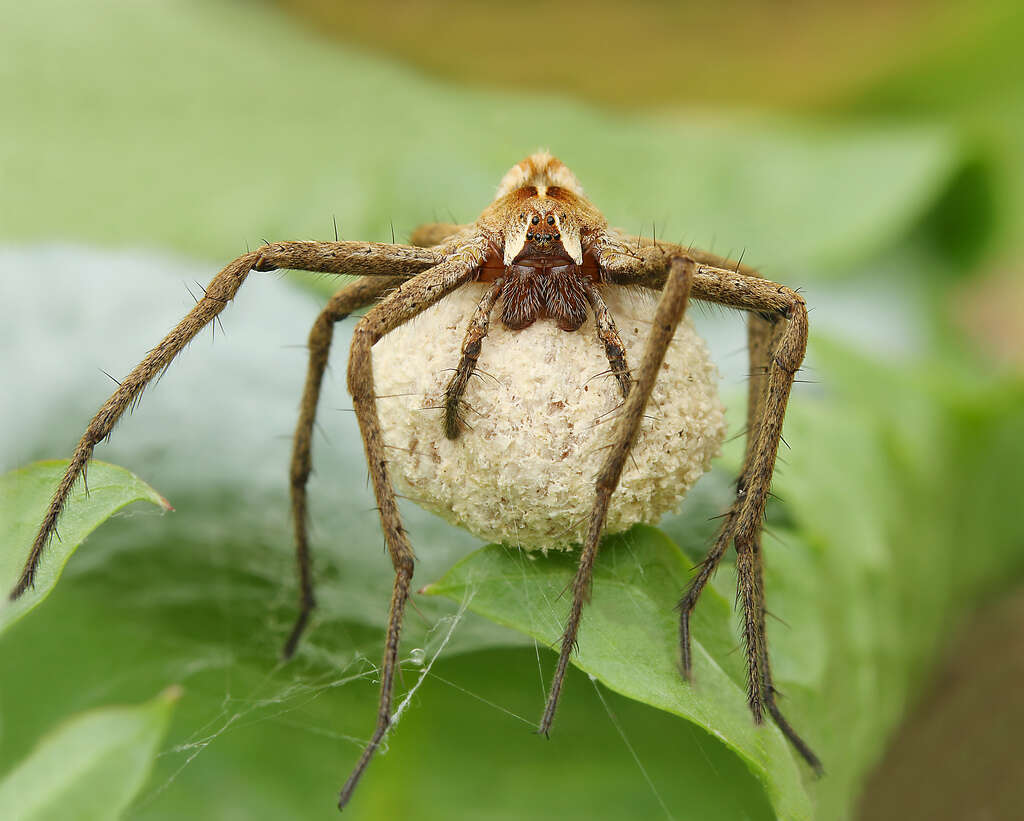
(782, 364)
(359, 258)
(777, 342)
(669, 312)
(471, 345)
(764, 334)
(353, 296)
(608, 334)
(801, 746)
(762, 339)
(705, 570)
(399, 307)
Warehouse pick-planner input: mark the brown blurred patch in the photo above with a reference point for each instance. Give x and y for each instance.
(794, 53)
(990, 310)
(960, 756)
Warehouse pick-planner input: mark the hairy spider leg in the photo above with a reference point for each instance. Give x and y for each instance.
(608, 336)
(359, 258)
(669, 312)
(471, 345)
(762, 339)
(350, 298)
(410, 299)
(777, 340)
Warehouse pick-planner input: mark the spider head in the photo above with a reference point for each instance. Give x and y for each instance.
(541, 216)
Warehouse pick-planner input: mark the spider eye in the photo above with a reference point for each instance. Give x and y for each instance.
(529, 236)
(535, 220)
(551, 220)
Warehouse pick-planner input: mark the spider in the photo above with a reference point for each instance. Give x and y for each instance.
(545, 254)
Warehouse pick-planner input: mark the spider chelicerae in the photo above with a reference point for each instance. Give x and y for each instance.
(542, 254)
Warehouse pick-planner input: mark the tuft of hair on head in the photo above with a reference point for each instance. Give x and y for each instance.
(541, 170)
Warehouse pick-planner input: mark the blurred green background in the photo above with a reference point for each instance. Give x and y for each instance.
(870, 154)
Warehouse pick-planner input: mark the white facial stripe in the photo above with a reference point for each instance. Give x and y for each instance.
(542, 190)
(573, 247)
(515, 243)
(570, 241)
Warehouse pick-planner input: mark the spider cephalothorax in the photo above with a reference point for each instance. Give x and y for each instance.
(541, 231)
(546, 254)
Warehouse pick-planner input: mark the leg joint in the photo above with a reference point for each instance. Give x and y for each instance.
(404, 565)
(262, 261)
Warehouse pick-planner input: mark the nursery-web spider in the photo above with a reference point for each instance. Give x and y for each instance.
(548, 254)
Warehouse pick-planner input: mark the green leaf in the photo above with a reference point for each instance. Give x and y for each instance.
(889, 475)
(864, 577)
(90, 767)
(24, 497)
(628, 639)
(207, 596)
